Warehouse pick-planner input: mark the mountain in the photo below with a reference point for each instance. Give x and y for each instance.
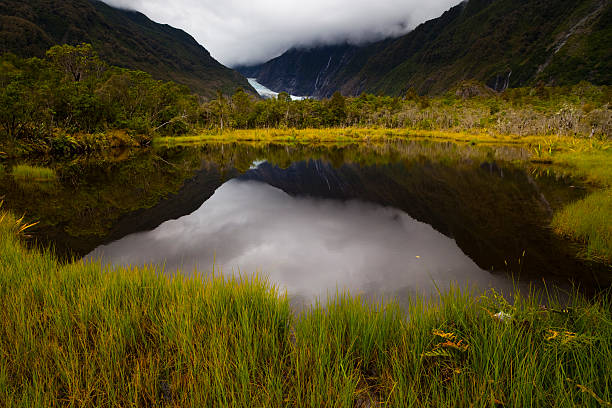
(124, 38)
(302, 71)
(503, 43)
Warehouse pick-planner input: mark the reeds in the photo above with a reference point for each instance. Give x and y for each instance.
(33, 173)
(86, 335)
(589, 220)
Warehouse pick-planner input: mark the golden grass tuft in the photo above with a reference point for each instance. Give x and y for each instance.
(33, 173)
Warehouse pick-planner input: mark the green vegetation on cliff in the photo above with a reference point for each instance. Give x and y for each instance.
(503, 43)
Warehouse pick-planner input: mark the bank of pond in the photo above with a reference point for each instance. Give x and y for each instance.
(85, 334)
(512, 205)
(275, 268)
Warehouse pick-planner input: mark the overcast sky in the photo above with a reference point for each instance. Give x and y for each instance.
(253, 31)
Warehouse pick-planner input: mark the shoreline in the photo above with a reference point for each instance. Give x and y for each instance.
(90, 335)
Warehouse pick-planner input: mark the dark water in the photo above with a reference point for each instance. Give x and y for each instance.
(384, 220)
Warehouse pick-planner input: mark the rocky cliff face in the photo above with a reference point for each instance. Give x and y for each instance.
(503, 43)
(124, 38)
(304, 72)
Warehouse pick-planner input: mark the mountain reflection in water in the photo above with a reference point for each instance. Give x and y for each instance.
(311, 246)
(313, 217)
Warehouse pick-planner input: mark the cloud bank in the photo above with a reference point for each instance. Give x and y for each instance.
(247, 32)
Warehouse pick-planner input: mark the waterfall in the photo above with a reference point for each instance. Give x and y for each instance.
(507, 83)
(321, 72)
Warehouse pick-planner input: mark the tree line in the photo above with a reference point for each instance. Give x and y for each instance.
(72, 91)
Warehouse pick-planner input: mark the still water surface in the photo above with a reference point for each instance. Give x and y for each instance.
(382, 220)
(308, 245)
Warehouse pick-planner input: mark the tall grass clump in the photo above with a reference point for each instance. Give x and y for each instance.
(457, 350)
(588, 220)
(27, 172)
(88, 335)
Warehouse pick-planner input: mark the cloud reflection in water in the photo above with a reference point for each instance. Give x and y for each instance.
(310, 246)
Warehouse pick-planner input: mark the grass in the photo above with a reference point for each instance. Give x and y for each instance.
(86, 335)
(377, 134)
(33, 173)
(588, 220)
(309, 136)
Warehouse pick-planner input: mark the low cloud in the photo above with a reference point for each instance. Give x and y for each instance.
(244, 32)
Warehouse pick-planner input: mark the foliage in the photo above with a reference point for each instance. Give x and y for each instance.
(50, 105)
(74, 91)
(578, 110)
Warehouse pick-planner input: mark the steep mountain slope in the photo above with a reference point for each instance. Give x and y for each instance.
(302, 71)
(500, 42)
(123, 38)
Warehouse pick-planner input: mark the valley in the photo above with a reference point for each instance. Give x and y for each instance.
(408, 205)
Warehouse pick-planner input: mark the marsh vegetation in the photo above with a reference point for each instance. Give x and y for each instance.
(86, 335)
(26, 172)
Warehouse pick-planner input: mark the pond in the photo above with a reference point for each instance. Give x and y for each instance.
(383, 220)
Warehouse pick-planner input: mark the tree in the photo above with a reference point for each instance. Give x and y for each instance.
(242, 108)
(78, 62)
(220, 108)
(23, 106)
(337, 108)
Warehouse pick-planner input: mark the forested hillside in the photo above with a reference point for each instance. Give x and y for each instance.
(503, 43)
(123, 38)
